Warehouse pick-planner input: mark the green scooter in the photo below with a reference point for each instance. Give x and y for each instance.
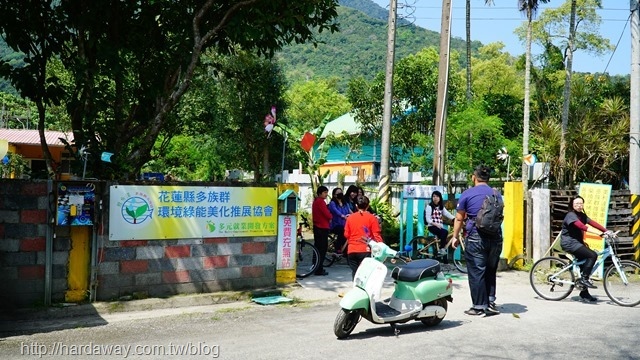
(421, 293)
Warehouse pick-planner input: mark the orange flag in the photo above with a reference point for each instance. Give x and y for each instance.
(307, 141)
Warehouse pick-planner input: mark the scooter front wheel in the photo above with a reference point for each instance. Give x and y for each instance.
(345, 322)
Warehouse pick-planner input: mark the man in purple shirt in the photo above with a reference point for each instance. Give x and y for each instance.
(482, 251)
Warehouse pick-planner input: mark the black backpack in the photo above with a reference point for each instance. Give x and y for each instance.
(489, 218)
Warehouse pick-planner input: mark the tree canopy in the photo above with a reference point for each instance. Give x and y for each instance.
(132, 67)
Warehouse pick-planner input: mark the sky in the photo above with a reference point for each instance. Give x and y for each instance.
(498, 22)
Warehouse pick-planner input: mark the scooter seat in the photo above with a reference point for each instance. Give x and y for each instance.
(416, 270)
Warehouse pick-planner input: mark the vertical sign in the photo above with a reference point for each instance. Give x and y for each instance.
(596, 206)
(286, 242)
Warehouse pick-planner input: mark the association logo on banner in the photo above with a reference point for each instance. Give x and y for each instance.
(137, 209)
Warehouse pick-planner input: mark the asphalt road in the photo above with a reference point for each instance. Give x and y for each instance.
(527, 328)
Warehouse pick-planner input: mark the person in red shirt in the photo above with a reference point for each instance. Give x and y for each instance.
(321, 219)
(359, 227)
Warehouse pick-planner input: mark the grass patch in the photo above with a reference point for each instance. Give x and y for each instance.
(115, 307)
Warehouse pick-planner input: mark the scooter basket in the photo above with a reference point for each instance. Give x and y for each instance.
(416, 270)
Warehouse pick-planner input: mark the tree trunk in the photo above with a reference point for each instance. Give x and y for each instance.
(265, 161)
(566, 93)
(48, 159)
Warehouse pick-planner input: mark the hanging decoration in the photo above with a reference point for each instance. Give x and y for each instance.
(270, 121)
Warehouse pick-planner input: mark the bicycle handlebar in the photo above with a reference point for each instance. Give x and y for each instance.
(304, 221)
(610, 235)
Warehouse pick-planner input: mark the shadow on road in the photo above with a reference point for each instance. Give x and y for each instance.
(407, 328)
(513, 308)
(52, 319)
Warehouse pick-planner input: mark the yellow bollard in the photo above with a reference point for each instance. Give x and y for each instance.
(79, 259)
(513, 225)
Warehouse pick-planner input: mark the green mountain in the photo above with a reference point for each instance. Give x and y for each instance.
(360, 48)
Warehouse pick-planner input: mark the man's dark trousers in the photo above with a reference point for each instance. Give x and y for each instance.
(482, 253)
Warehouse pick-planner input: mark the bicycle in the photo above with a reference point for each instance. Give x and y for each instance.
(332, 256)
(307, 255)
(554, 278)
(428, 247)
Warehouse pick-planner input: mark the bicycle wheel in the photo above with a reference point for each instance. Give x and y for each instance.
(422, 248)
(623, 288)
(552, 278)
(330, 257)
(459, 260)
(307, 259)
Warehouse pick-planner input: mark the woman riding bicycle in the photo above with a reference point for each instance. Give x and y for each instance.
(573, 228)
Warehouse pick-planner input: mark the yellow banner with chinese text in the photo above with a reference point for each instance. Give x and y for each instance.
(185, 212)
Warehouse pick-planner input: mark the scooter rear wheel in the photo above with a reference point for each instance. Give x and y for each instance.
(434, 320)
(345, 322)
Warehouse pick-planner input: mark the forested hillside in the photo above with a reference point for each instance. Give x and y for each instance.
(360, 48)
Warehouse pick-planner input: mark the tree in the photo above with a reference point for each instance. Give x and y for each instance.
(571, 27)
(190, 158)
(248, 88)
(596, 149)
(316, 156)
(495, 72)
(473, 138)
(309, 102)
(35, 29)
(528, 7)
(548, 80)
(468, 41)
(414, 103)
(131, 68)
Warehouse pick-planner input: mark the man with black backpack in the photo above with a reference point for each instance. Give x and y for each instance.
(482, 207)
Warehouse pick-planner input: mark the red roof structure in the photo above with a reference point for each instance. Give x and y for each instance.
(32, 137)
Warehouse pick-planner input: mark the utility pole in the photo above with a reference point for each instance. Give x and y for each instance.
(385, 153)
(634, 111)
(634, 129)
(441, 102)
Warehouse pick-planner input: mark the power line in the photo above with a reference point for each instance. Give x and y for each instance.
(509, 8)
(618, 43)
(500, 19)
